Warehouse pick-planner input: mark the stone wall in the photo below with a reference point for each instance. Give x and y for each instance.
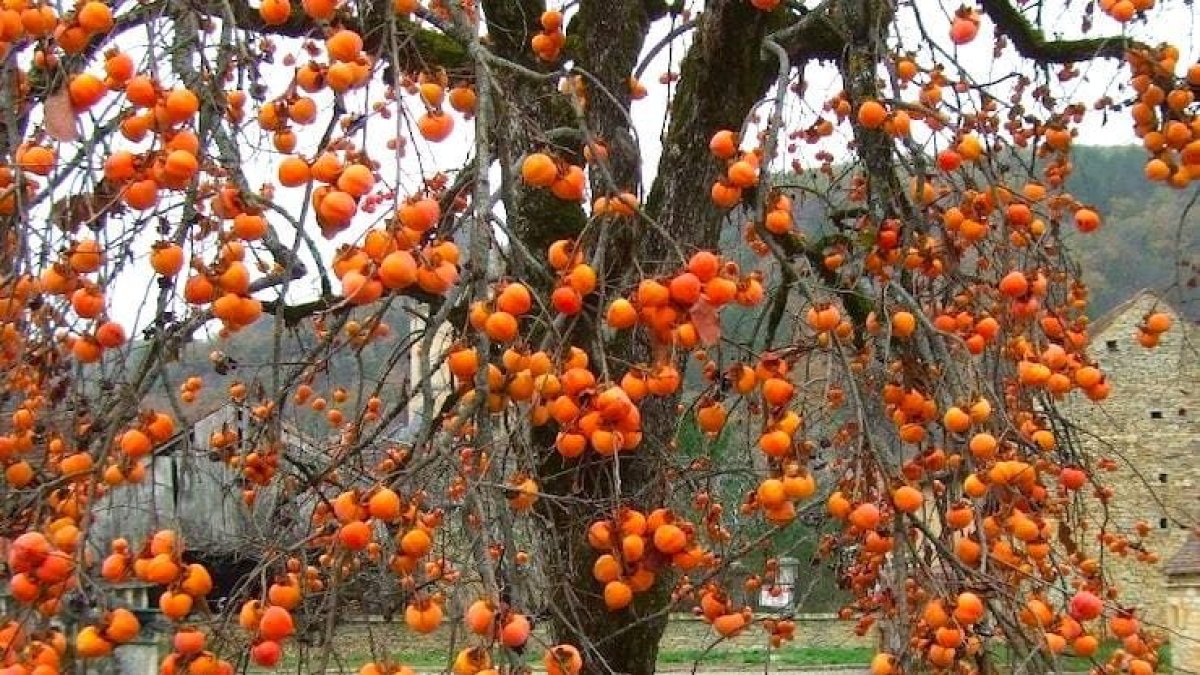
(187, 490)
(1183, 618)
(1150, 426)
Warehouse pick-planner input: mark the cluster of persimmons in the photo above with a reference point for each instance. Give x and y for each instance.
(980, 478)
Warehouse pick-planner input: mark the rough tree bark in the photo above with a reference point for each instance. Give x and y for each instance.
(722, 76)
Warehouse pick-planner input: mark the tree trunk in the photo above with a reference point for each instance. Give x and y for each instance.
(721, 77)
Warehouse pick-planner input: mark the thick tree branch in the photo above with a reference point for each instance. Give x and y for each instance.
(424, 49)
(1032, 44)
(721, 77)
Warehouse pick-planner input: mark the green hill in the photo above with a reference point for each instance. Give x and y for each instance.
(1149, 239)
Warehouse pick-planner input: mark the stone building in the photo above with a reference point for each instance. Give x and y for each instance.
(1149, 426)
(190, 490)
(1183, 605)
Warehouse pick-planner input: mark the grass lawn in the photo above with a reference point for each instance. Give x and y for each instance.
(787, 656)
(353, 653)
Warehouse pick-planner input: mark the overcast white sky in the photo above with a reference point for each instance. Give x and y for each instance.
(1176, 22)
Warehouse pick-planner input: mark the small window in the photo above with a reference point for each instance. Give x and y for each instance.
(1162, 523)
(1162, 478)
(1156, 414)
(1182, 412)
(1110, 345)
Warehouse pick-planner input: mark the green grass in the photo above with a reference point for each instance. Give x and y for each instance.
(352, 659)
(804, 656)
(425, 658)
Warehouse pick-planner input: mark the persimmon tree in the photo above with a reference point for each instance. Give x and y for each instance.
(858, 291)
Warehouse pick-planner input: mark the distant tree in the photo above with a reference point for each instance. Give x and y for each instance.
(892, 374)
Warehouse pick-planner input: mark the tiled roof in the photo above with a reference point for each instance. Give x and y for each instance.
(1100, 325)
(1095, 328)
(1187, 559)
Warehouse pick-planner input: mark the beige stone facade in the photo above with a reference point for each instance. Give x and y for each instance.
(1183, 605)
(1150, 426)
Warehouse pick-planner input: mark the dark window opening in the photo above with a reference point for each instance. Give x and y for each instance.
(1111, 345)
(1182, 412)
(1156, 414)
(1162, 523)
(1162, 478)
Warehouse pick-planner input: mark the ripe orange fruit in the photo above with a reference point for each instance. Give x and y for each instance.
(865, 516)
(419, 215)
(135, 443)
(265, 654)
(398, 270)
(728, 625)
(563, 659)
(122, 626)
(276, 624)
(303, 110)
(1086, 220)
(416, 543)
(336, 208)
(85, 90)
(514, 299)
(294, 172)
(566, 300)
(515, 631)
(742, 174)
(538, 170)
(621, 314)
(968, 608)
(617, 595)
(669, 539)
(463, 99)
(501, 327)
(771, 493)
(142, 194)
(356, 180)
(1158, 322)
(181, 104)
(35, 159)
(249, 227)
(963, 30)
(1014, 284)
(435, 126)
(119, 67)
(723, 144)
(903, 324)
(423, 616)
(344, 45)
(188, 641)
(94, 17)
(110, 334)
(321, 10)
(872, 114)
(355, 535)
(275, 12)
(89, 644)
(907, 499)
